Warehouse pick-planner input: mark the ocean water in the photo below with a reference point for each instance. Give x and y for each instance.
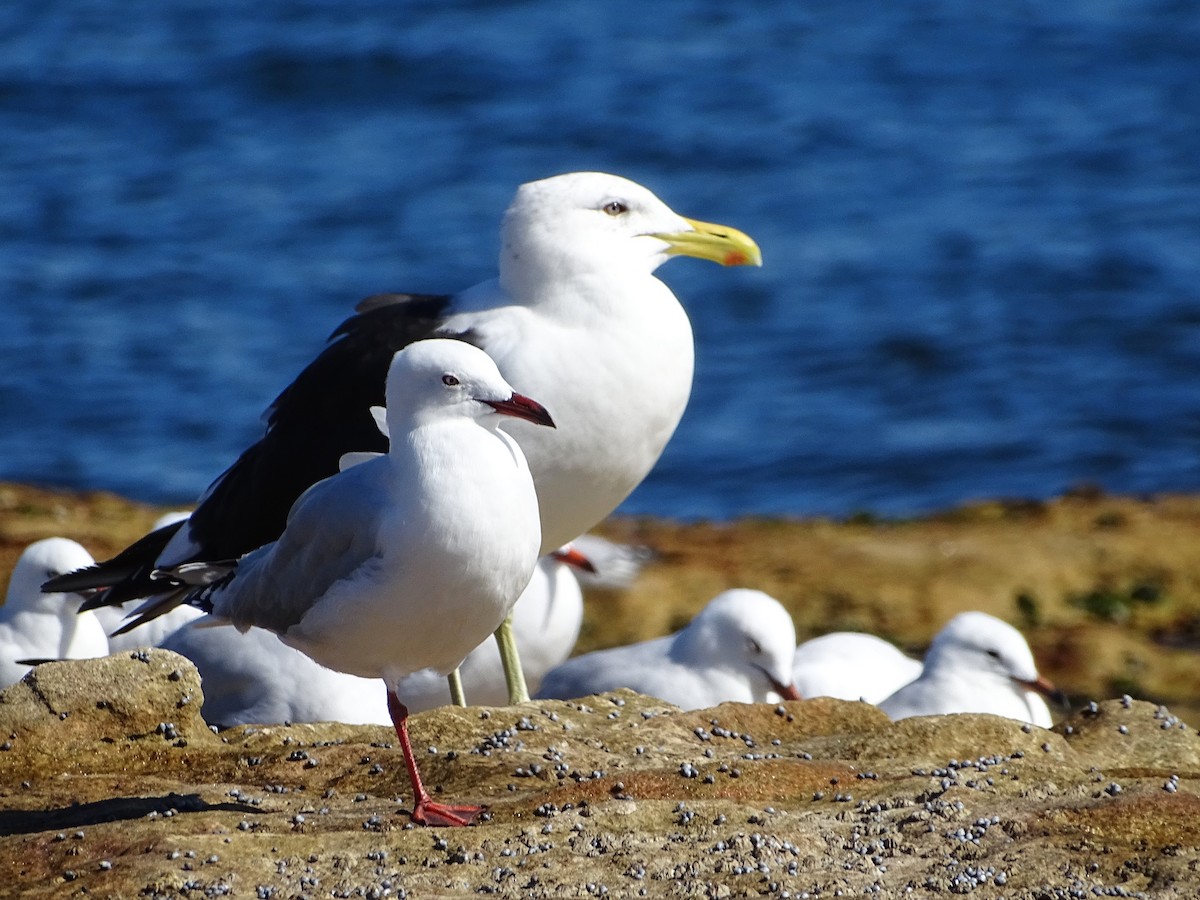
(981, 226)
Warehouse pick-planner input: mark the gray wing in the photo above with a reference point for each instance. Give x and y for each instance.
(599, 671)
(331, 534)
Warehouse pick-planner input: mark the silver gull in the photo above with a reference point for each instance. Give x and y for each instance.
(976, 663)
(409, 560)
(738, 648)
(34, 625)
(850, 665)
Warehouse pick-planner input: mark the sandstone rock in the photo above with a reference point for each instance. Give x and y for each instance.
(610, 794)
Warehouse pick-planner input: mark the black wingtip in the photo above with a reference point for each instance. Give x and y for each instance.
(84, 579)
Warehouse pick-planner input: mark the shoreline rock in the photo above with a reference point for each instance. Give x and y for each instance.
(606, 795)
(132, 795)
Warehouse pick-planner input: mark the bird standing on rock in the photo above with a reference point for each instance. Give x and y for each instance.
(405, 561)
(575, 317)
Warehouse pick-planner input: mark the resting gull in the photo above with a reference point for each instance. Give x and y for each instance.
(37, 626)
(408, 560)
(976, 663)
(575, 317)
(738, 648)
(850, 665)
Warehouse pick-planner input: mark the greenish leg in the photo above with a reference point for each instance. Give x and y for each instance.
(514, 678)
(457, 697)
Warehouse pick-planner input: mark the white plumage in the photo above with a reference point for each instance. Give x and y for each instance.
(851, 666)
(40, 626)
(738, 648)
(410, 559)
(976, 663)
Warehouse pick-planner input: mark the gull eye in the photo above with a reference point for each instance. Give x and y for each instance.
(449, 380)
(994, 654)
(615, 208)
(755, 646)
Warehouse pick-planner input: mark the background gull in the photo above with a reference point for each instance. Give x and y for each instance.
(739, 648)
(34, 625)
(976, 663)
(851, 665)
(252, 678)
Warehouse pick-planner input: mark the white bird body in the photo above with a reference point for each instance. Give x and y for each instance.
(738, 648)
(403, 561)
(34, 625)
(408, 560)
(252, 678)
(611, 432)
(976, 663)
(851, 666)
(546, 622)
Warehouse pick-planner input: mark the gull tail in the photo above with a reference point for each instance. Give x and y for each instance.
(188, 583)
(127, 576)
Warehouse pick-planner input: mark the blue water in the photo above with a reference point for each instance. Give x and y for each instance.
(981, 225)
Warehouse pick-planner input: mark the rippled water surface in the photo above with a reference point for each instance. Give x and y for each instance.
(981, 227)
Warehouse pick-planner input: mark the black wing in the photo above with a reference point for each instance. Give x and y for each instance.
(321, 415)
(125, 566)
(324, 413)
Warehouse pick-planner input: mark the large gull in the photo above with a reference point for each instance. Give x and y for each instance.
(976, 663)
(38, 626)
(738, 648)
(575, 317)
(407, 560)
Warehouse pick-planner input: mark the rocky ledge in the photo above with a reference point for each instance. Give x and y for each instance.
(112, 785)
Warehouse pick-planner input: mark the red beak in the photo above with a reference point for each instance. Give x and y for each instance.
(1046, 688)
(573, 557)
(521, 407)
(788, 692)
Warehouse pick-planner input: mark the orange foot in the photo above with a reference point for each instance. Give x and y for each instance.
(442, 814)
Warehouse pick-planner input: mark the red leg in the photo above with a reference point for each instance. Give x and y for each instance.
(425, 810)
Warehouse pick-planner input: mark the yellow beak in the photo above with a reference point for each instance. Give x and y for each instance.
(718, 243)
